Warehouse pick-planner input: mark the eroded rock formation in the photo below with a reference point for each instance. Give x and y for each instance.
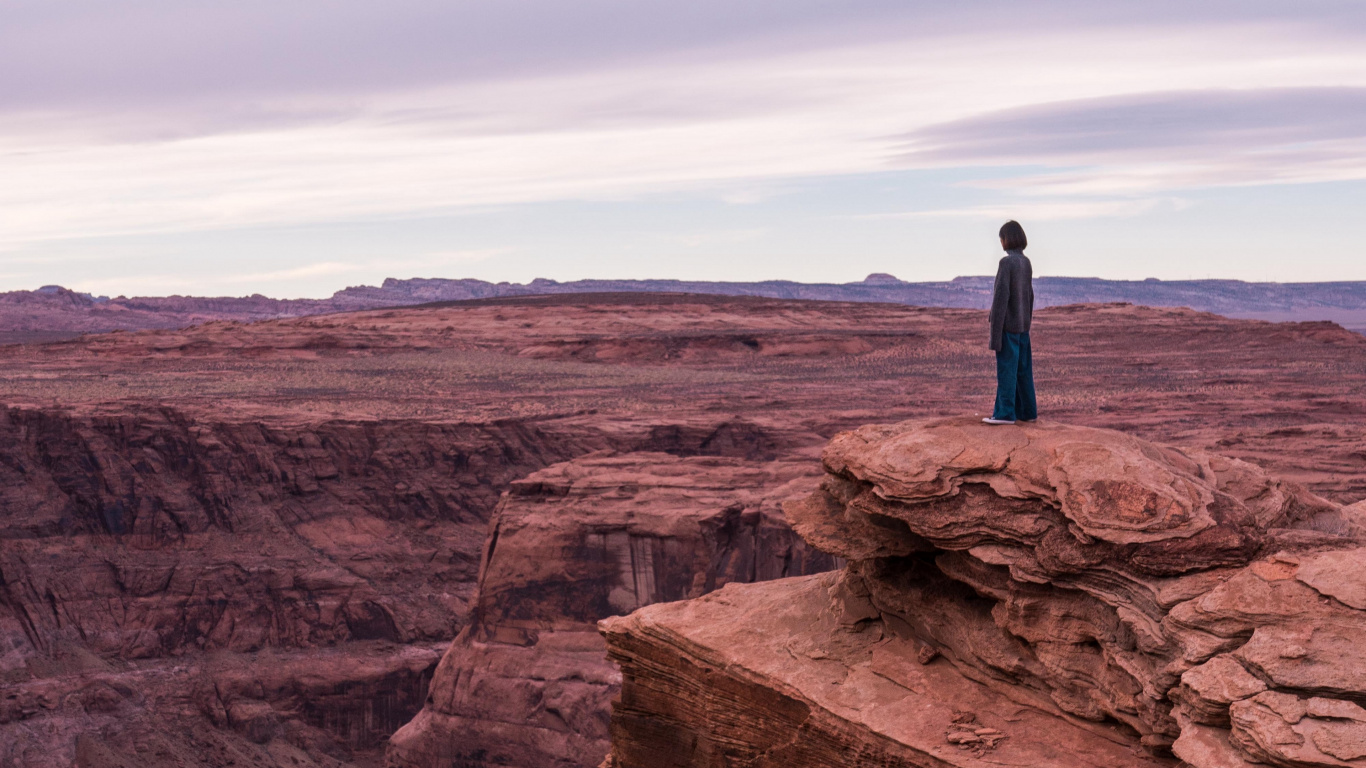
(528, 683)
(241, 581)
(167, 582)
(1039, 594)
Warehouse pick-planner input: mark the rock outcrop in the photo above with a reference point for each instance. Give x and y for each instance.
(528, 682)
(1038, 594)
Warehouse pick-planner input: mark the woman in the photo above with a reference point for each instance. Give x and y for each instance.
(1012, 308)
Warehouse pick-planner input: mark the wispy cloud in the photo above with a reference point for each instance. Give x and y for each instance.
(183, 282)
(1045, 210)
(407, 264)
(1171, 125)
(1164, 140)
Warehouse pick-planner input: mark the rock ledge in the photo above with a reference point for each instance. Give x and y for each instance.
(1035, 595)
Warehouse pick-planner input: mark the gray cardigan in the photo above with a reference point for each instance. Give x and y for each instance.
(1012, 303)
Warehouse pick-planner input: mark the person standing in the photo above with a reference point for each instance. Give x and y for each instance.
(1012, 309)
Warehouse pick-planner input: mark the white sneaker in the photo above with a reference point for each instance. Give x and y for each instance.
(997, 421)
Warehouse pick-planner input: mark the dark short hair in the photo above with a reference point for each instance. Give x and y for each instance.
(1013, 236)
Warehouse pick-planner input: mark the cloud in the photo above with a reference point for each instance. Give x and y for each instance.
(304, 274)
(1179, 125)
(1147, 142)
(183, 282)
(157, 69)
(308, 270)
(1048, 210)
(256, 63)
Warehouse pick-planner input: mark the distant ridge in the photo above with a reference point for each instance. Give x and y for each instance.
(53, 312)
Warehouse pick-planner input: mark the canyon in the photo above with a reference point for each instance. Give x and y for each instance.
(387, 535)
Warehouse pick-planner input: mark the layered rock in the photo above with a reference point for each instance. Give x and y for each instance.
(252, 584)
(528, 682)
(287, 584)
(769, 675)
(1171, 599)
(273, 708)
(145, 534)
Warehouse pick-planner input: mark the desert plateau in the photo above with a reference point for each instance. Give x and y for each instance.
(386, 538)
(54, 313)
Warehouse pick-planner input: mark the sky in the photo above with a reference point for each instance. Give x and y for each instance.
(154, 147)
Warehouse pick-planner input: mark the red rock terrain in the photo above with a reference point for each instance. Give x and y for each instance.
(251, 543)
(1039, 595)
(53, 313)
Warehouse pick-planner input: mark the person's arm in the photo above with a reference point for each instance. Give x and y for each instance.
(1000, 300)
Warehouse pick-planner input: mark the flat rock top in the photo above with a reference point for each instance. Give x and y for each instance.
(1111, 485)
(655, 493)
(784, 636)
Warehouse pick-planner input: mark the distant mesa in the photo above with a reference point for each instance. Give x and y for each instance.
(53, 312)
(57, 290)
(881, 278)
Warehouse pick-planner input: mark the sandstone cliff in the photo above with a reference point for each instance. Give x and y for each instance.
(1033, 595)
(185, 591)
(528, 682)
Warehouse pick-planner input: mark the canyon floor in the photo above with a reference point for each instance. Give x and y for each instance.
(251, 544)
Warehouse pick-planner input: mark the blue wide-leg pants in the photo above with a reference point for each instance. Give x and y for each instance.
(1015, 380)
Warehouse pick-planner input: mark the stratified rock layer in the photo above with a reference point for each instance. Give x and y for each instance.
(769, 675)
(528, 683)
(1177, 600)
(168, 583)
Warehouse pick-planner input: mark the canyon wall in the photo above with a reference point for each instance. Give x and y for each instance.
(251, 580)
(528, 682)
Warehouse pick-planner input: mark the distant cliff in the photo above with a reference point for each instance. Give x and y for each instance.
(1228, 297)
(53, 312)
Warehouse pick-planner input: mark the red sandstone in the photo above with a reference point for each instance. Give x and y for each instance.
(309, 499)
